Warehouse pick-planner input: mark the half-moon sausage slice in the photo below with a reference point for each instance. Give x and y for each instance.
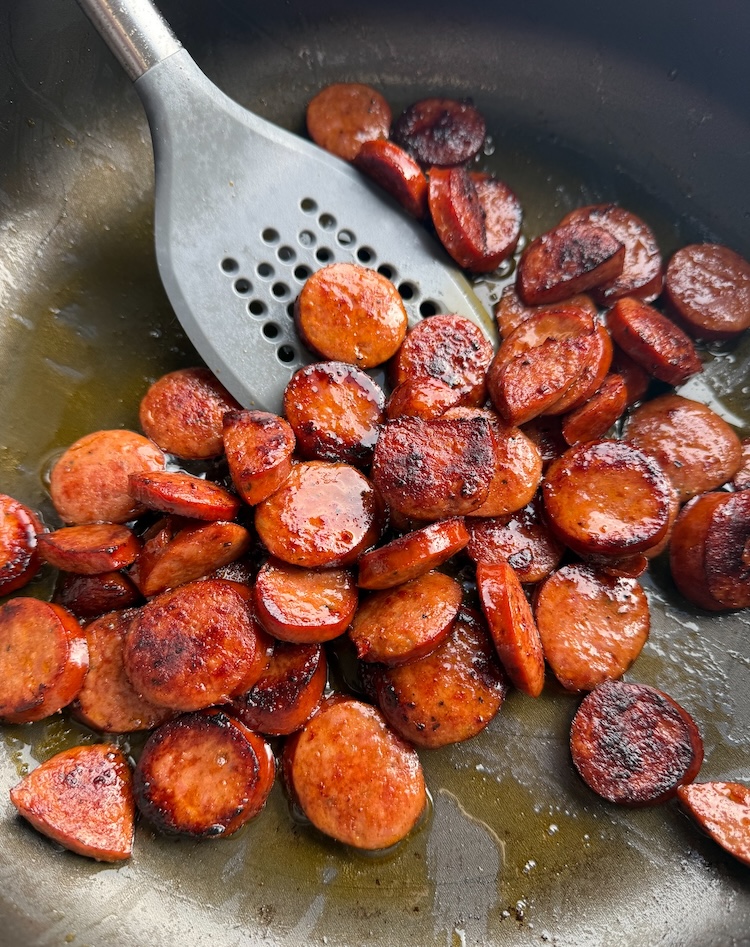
(521, 539)
(259, 447)
(411, 555)
(183, 495)
(91, 549)
(353, 777)
(633, 744)
(723, 811)
(741, 480)
(593, 626)
(457, 215)
(83, 799)
(596, 416)
(323, 516)
(344, 115)
(422, 397)
(87, 596)
(502, 220)
(440, 131)
(203, 775)
(19, 558)
(396, 172)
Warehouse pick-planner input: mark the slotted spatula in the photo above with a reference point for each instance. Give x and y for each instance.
(245, 211)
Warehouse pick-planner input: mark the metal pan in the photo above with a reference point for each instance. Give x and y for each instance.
(645, 103)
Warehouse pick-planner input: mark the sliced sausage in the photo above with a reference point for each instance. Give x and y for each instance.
(87, 596)
(687, 549)
(344, 115)
(396, 172)
(412, 555)
(449, 347)
(88, 550)
(642, 267)
(450, 695)
(571, 258)
(653, 341)
(521, 539)
(637, 379)
(323, 516)
(502, 220)
(288, 692)
(183, 494)
(510, 312)
(394, 626)
(19, 557)
(194, 646)
(422, 397)
(511, 624)
(440, 131)
(349, 313)
(707, 287)
(89, 482)
(596, 366)
(593, 626)
(457, 215)
(434, 469)
(107, 701)
(259, 447)
(695, 447)
(43, 659)
(182, 412)
(83, 799)
(335, 411)
(723, 811)
(633, 744)
(303, 605)
(741, 480)
(596, 416)
(545, 432)
(203, 775)
(353, 777)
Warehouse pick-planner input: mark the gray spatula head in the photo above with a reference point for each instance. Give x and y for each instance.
(246, 211)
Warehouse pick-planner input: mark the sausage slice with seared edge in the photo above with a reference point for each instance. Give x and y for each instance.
(91, 549)
(412, 555)
(19, 558)
(344, 115)
(440, 131)
(723, 811)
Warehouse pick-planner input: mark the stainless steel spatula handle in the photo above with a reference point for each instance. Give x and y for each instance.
(134, 30)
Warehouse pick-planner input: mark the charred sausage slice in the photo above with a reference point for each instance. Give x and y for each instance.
(457, 215)
(344, 115)
(259, 447)
(19, 557)
(440, 131)
(412, 555)
(502, 220)
(83, 799)
(391, 167)
(87, 596)
(634, 745)
(723, 811)
(88, 550)
(183, 495)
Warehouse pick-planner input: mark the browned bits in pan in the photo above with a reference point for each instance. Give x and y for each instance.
(707, 287)
(694, 447)
(595, 417)
(87, 596)
(521, 539)
(19, 558)
(89, 482)
(439, 131)
(593, 626)
(182, 413)
(203, 775)
(82, 798)
(634, 745)
(396, 172)
(184, 495)
(723, 811)
(98, 547)
(335, 412)
(259, 447)
(412, 555)
(349, 313)
(353, 777)
(304, 605)
(342, 116)
(43, 659)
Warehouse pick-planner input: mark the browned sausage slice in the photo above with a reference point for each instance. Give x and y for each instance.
(707, 286)
(394, 626)
(653, 341)
(87, 596)
(88, 550)
(422, 397)
(545, 431)
(203, 775)
(440, 131)
(43, 659)
(323, 516)
(184, 495)
(349, 313)
(353, 777)
(259, 447)
(304, 605)
(335, 412)
(637, 379)
(182, 413)
(89, 482)
(502, 220)
(396, 172)
(634, 745)
(194, 646)
(510, 312)
(642, 268)
(607, 498)
(19, 558)
(344, 115)
(449, 347)
(695, 447)
(450, 695)
(83, 799)
(412, 555)
(571, 258)
(512, 626)
(288, 692)
(741, 480)
(107, 700)
(456, 212)
(687, 549)
(434, 469)
(596, 416)
(723, 811)
(521, 539)
(593, 373)
(593, 626)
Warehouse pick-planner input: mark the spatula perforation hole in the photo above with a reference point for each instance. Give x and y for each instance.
(327, 222)
(265, 270)
(286, 254)
(428, 307)
(271, 330)
(345, 238)
(230, 266)
(256, 308)
(407, 290)
(242, 286)
(323, 255)
(286, 354)
(366, 255)
(280, 290)
(308, 205)
(307, 238)
(290, 310)
(385, 269)
(270, 236)
(302, 272)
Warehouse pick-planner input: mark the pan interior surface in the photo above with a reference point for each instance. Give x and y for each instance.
(639, 106)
